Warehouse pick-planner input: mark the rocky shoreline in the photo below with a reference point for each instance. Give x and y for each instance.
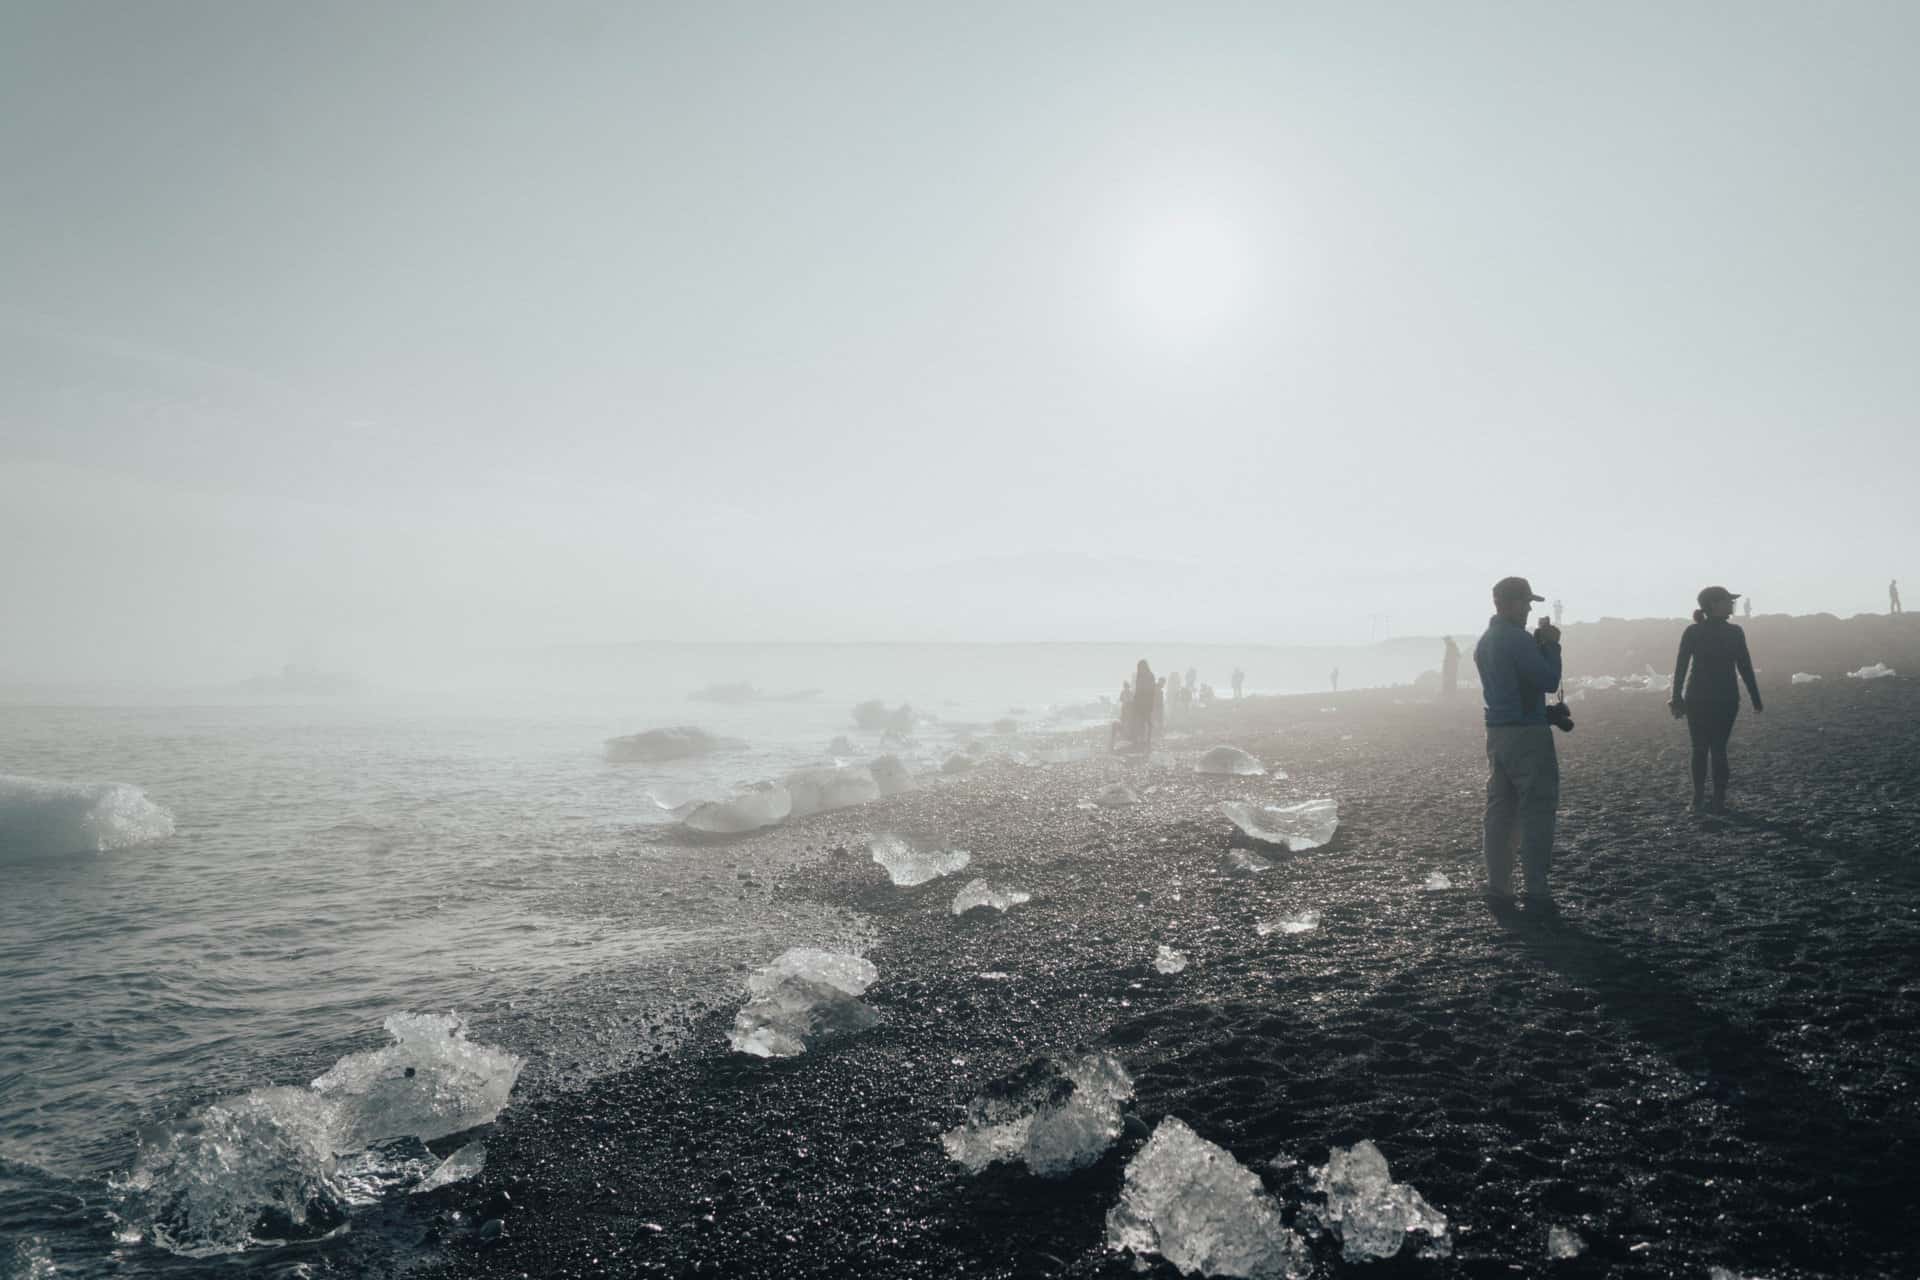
(1709, 1061)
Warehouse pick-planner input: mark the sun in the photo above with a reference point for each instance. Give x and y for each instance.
(1185, 276)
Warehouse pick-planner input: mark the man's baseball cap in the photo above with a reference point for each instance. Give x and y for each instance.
(1709, 595)
(1514, 589)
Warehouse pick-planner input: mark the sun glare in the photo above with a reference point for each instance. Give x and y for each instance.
(1185, 277)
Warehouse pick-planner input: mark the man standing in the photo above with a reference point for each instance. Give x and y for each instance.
(1517, 671)
(1450, 669)
(1893, 596)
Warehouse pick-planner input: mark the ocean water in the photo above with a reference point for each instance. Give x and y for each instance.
(336, 862)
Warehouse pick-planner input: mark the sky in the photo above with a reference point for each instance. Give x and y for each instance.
(334, 330)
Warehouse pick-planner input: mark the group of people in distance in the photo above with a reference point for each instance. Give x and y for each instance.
(1142, 715)
(1517, 672)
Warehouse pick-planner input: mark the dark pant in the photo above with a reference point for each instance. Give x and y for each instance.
(1710, 724)
(1523, 790)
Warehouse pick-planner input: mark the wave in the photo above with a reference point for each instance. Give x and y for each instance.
(40, 818)
(287, 1163)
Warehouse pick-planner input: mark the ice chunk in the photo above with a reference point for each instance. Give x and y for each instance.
(39, 818)
(806, 993)
(1372, 1213)
(1167, 960)
(1239, 862)
(890, 775)
(465, 1163)
(1436, 881)
(1231, 760)
(1298, 827)
(874, 715)
(957, 763)
(284, 1163)
(430, 1082)
(1877, 671)
(1562, 1243)
(1803, 677)
(1196, 1206)
(1305, 922)
(978, 894)
(748, 811)
(1115, 795)
(1055, 1118)
(907, 866)
(821, 790)
(677, 743)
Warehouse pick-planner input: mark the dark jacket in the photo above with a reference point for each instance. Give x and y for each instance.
(1716, 649)
(1516, 673)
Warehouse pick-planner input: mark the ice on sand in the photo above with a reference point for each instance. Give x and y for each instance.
(1229, 760)
(1562, 1243)
(39, 818)
(1877, 671)
(806, 993)
(465, 1163)
(1053, 1117)
(1167, 960)
(1297, 827)
(979, 895)
(1372, 1213)
(822, 790)
(1239, 862)
(1804, 677)
(1436, 881)
(1196, 1206)
(890, 775)
(748, 811)
(1115, 795)
(1305, 922)
(907, 866)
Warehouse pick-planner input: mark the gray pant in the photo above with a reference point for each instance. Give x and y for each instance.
(1523, 790)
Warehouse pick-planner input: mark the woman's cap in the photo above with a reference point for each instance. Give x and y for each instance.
(1712, 595)
(1514, 589)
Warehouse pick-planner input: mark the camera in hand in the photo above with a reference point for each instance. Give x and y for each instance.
(1560, 716)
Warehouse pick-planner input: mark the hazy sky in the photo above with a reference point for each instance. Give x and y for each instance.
(332, 328)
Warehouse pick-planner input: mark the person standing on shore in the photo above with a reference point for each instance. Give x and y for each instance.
(1333, 678)
(1517, 671)
(1450, 670)
(1716, 649)
(1893, 596)
(1239, 681)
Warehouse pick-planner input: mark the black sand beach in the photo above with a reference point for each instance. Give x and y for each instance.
(1709, 1061)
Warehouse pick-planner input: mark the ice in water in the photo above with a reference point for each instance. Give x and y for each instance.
(430, 1082)
(26, 1258)
(907, 866)
(748, 811)
(1562, 1243)
(284, 1163)
(1053, 1117)
(1803, 677)
(1436, 881)
(1372, 1213)
(1230, 760)
(1305, 922)
(1196, 1206)
(1878, 671)
(1298, 827)
(806, 993)
(1167, 960)
(978, 894)
(39, 818)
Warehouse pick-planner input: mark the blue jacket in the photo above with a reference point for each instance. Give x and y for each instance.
(1516, 674)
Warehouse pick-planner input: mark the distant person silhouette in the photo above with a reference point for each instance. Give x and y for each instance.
(1450, 670)
(1140, 726)
(1517, 671)
(1746, 607)
(1559, 608)
(1125, 723)
(1239, 681)
(1711, 701)
(1333, 678)
(1893, 596)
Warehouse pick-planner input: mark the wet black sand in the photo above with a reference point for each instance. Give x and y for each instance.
(1711, 1059)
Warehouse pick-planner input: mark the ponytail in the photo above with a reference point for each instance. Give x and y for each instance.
(1700, 615)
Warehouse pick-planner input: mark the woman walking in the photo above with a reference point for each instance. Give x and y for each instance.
(1716, 649)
